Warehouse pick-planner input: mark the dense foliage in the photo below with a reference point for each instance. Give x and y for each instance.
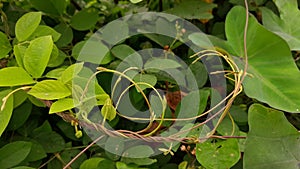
(149, 90)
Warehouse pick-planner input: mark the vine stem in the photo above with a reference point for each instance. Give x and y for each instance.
(84, 150)
(245, 42)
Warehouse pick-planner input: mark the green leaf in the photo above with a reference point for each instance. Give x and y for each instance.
(37, 55)
(47, 140)
(50, 90)
(199, 73)
(19, 52)
(193, 9)
(93, 51)
(91, 163)
(145, 78)
(84, 19)
(218, 154)
(108, 111)
(43, 30)
(287, 25)
(4, 45)
(20, 115)
(14, 76)
(115, 32)
(122, 51)
(272, 141)
(135, 1)
(121, 165)
(37, 152)
(22, 167)
(56, 7)
(70, 72)
(161, 64)
(27, 24)
(62, 105)
(66, 34)
(55, 73)
(14, 153)
(139, 161)
(57, 57)
(139, 151)
(6, 113)
(273, 77)
(19, 97)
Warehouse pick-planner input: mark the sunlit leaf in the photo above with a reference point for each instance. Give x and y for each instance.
(50, 90)
(62, 105)
(108, 111)
(6, 112)
(5, 45)
(37, 55)
(27, 24)
(14, 76)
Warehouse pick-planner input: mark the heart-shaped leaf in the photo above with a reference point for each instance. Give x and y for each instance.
(273, 77)
(272, 141)
(287, 25)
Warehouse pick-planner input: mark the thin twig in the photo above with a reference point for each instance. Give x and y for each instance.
(84, 150)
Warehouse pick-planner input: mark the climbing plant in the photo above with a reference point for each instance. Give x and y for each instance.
(149, 84)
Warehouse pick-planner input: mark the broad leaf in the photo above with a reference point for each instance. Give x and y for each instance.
(19, 115)
(57, 57)
(47, 140)
(115, 32)
(135, 1)
(50, 6)
(27, 24)
(272, 77)
(272, 141)
(19, 52)
(218, 154)
(145, 78)
(66, 34)
(50, 90)
(161, 64)
(7, 110)
(193, 9)
(138, 151)
(14, 76)
(5, 45)
(91, 163)
(62, 105)
(122, 51)
(37, 55)
(70, 72)
(93, 51)
(43, 30)
(14, 153)
(84, 19)
(287, 25)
